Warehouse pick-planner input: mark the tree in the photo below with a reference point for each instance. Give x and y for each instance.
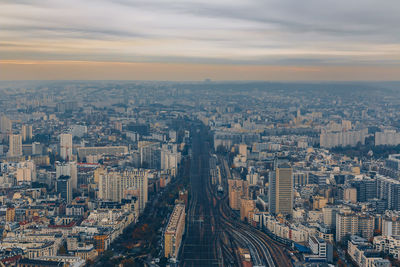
(340, 263)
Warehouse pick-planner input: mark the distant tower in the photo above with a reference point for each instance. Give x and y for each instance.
(281, 190)
(26, 132)
(5, 124)
(66, 146)
(15, 145)
(68, 169)
(64, 188)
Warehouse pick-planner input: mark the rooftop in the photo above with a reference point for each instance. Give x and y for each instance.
(178, 212)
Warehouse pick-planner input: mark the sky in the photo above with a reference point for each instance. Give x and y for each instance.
(288, 40)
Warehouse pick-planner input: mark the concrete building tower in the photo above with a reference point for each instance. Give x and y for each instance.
(281, 190)
(66, 146)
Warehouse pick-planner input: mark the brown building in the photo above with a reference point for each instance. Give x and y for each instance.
(174, 231)
(234, 198)
(10, 214)
(246, 206)
(100, 243)
(319, 202)
(350, 194)
(237, 189)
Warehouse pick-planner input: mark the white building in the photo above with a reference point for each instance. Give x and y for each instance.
(363, 253)
(387, 137)
(252, 176)
(342, 138)
(15, 145)
(388, 244)
(26, 172)
(66, 146)
(68, 169)
(390, 227)
(317, 246)
(113, 183)
(170, 158)
(346, 225)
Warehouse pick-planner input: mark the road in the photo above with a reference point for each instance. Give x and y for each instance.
(214, 233)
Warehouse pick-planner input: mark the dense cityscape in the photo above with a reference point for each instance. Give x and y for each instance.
(199, 174)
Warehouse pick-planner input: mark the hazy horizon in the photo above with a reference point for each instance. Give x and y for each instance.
(194, 40)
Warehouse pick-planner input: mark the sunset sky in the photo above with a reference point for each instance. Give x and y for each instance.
(194, 40)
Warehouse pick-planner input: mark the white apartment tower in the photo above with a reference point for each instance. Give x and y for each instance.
(15, 145)
(66, 146)
(112, 184)
(68, 169)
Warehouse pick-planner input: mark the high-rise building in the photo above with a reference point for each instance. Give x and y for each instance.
(64, 188)
(68, 169)
(329, 213)
(174, 232)
(112, 183)
(246, 206)
(366, 189)
(66, 146)
(170, 158)
(26, 132)
(37, 148)
(346, 225)
(5, 124)
(237, 188)
(281, 190)
(109, 185)
(234, 198)
(137, 178)
(342, 138)
(15, 145)
(388, 189)
(366, 226)
(150, 154)
(387, 137)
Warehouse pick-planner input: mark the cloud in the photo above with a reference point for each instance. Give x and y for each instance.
(258, 32)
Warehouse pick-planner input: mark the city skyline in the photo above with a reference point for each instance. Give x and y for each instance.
(210, 174)
(194, 40)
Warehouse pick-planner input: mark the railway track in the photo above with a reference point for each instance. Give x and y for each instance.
(214, 234)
